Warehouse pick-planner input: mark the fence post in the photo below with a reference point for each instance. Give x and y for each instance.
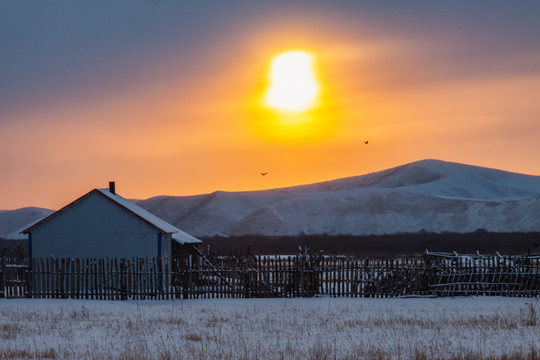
(2, 284)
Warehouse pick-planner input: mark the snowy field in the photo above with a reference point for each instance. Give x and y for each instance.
(317, 328)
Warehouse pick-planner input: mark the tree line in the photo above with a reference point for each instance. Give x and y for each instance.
(409, 244)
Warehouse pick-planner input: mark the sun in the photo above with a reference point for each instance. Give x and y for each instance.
(293, 86)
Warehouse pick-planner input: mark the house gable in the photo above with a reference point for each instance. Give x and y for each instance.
(95, 226)
(176, 234)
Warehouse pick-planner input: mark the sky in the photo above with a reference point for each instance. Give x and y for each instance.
(167, 97)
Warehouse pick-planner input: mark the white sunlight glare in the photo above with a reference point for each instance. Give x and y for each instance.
(293, 87)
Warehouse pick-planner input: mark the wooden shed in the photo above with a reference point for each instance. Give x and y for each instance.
(103, 224)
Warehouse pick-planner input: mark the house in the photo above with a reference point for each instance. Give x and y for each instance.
(103, 224)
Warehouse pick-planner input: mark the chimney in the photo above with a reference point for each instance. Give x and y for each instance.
(112, 189)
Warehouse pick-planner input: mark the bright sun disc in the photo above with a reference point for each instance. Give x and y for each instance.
(293, 87)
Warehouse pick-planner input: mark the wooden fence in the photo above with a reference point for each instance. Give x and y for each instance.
(278, 276)
(462, 275)
(13, 273)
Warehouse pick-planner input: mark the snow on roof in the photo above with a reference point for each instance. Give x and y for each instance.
(176, 234)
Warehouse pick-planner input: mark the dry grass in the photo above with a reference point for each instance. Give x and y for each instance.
(25, 354)
(434, 329)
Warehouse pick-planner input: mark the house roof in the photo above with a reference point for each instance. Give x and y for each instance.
(176, 234)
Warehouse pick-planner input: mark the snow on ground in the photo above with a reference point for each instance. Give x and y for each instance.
(315, 328)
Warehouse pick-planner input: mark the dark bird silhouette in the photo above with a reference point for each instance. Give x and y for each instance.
(264, 173)
(535, 245)
(366, 142)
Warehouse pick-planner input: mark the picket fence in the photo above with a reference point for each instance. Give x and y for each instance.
(13, 273)
(434, 274)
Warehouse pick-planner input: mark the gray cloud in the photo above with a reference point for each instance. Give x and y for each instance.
(51, 50)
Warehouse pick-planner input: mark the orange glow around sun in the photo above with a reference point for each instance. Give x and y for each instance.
(292, 104)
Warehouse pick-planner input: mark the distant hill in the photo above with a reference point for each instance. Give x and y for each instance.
(424, 196)
(12, 220)
(428, 195)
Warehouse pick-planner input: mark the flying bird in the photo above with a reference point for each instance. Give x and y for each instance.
(264, 173)
(366, 142)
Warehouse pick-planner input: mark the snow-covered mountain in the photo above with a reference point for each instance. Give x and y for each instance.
(428, 195)
(17, 219)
